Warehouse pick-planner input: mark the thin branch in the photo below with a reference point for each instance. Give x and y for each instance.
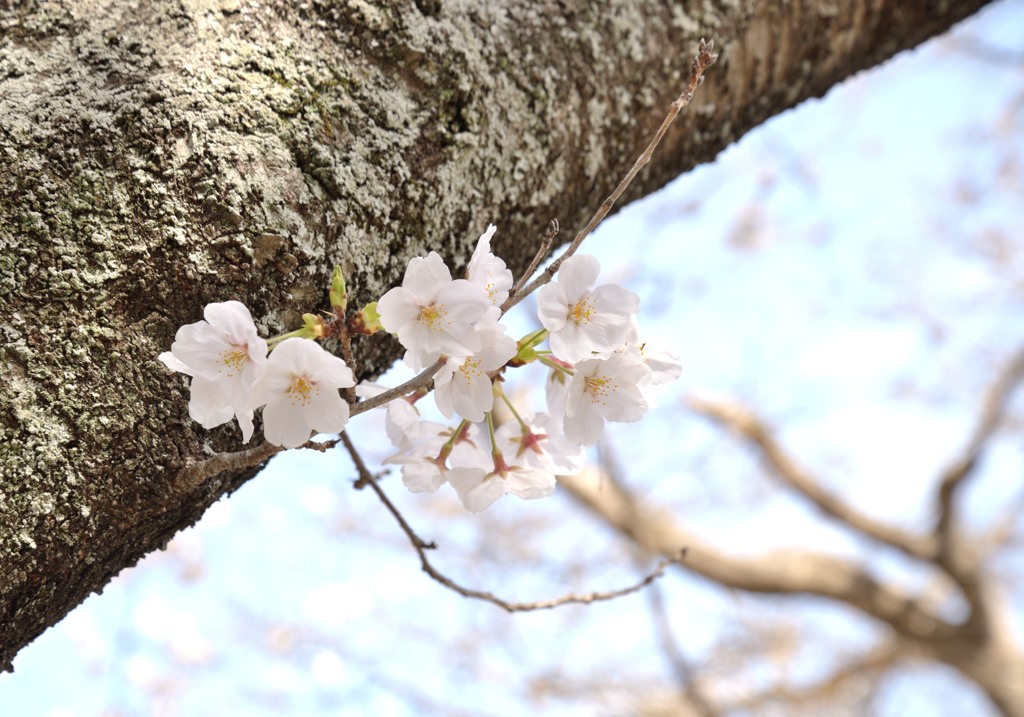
(744, 422)
(545, 244)
(346, 352)
(195, 473)
(677, 661)
(867, 667)
(992, 412)
(704, 59)
(420, 380)
(421, 546)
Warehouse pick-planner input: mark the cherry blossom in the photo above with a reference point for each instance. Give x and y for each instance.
(463, 385)
(583, 319)
(480, 480)
(604, 389)
(402, 423)
(539, 443)
(224, 355)
(432, 314)
(425, 463)
(489, 272)
(300, 389)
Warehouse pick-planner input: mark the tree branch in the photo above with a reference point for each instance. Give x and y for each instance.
(953, 477)
(780, 572)
(753, 429)
(867, 666)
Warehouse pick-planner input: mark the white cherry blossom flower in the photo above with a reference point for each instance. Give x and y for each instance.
(664, 364)
(431, 314)
(556, 390)
(540, 444)
(489, 272)
(403, 425)
(604, 389)
(462, 385)
(224, 355)
(425, 463)
(583, 319)
(479, 485)
(300, 389)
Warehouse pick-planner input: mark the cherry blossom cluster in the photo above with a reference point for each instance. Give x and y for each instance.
(598, 371)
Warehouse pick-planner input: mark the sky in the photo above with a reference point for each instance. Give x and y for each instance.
(852, 269)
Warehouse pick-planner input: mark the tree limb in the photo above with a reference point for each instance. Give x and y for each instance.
(783, 466)
(781, 572)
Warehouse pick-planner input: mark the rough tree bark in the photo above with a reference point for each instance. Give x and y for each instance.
(160, 155)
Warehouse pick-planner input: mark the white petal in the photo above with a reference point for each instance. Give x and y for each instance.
(245, 423)
(585, 426)
(208, 405)
(627, 405)
(570, 344)
(529, 483)
(397, 308)
(577, 275)
(476, 493)
(285, 424)
(169, 360)
(552, 307)
(423, 477)
(614, 299)
(328, 413)
(444, 390)
(425, 277)
(463, 301)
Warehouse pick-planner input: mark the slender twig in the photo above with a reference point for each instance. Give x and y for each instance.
(684, 673)
(421, 546)
(545, 244)
(420, 380)
(864, 669)
(704, 59)
(346, 352)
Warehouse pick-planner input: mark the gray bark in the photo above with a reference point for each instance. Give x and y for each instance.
(157, 156)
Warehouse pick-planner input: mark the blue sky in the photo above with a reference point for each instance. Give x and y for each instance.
(853, 269)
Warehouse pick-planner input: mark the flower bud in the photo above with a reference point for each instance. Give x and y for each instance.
(365, 321)
(338, 292)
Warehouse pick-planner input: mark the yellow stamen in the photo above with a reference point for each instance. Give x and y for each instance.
(234, 360)
(581, 311)
(470, 368)
(302, 391)
(599, 388)
(433, 316)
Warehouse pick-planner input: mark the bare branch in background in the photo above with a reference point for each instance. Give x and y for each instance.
(783, 466)
(860, 669)
(993, 410)
(689, 692)
(778, 572)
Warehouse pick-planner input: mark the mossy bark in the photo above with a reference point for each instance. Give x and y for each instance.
(157, 156)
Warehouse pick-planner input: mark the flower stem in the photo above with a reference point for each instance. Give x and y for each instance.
(272, 342)
(548, 362)
(522, 423)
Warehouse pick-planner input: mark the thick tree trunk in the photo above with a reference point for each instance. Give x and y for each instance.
(160, 155)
